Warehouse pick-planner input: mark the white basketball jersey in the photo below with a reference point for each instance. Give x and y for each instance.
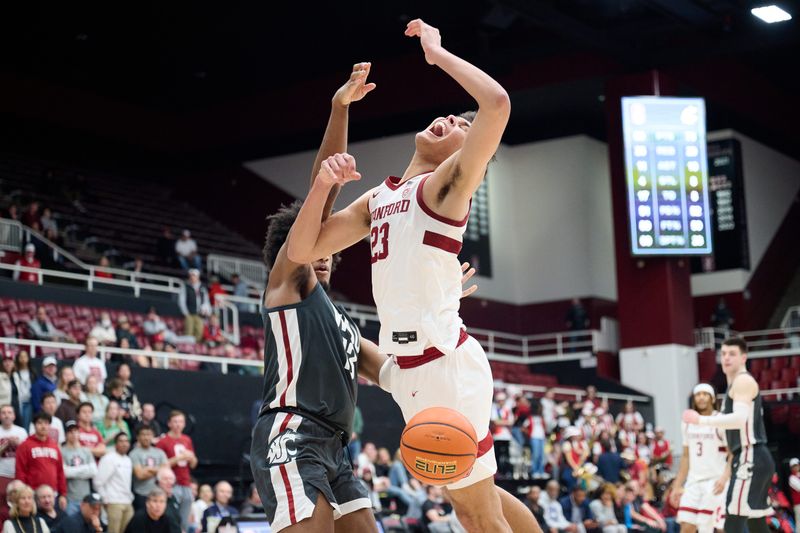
(416, 275)
(708, 452)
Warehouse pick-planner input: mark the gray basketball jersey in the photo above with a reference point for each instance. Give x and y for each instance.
(310, 359)
(754, 431)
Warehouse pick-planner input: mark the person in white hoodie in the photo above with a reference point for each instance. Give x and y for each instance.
(104, 330)
(113, 482)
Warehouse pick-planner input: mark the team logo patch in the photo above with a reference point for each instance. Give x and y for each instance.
(406, 192)
(282, 449)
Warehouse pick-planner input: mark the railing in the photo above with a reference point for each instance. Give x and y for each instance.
(29, 234)
(787, 316)
(780, 393)
(760, 343)
(91, 280)
(228, 314)
(104, 352)
(253, 272)
(578, 394)
(11, 235)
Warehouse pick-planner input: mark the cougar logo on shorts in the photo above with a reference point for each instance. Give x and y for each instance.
(281, 448)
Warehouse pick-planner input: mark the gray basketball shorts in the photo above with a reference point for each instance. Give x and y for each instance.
(293, 459)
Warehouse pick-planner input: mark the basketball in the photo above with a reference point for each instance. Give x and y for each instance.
(439, 446)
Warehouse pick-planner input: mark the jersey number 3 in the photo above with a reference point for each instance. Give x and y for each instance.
(380, 242)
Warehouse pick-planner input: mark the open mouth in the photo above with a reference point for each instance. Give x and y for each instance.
(321, 269)
(438, 128)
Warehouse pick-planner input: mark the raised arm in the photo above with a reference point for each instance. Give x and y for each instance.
(463, 172)
(310, 237)
(335, 139)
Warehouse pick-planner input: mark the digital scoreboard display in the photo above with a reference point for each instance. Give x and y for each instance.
(667, 175)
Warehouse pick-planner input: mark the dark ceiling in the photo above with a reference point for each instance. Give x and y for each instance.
(246, 80)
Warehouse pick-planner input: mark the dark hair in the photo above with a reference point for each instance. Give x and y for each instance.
(144, 427)
(73, 383)
(41, 415)
(84, 404)
(736, 341)
(115, 383)
(47, 395)
(120, 435)
(470, 116)
(576, 488)
(278, 228)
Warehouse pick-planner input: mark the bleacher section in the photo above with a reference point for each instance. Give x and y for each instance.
(776, 372)
(123, 217)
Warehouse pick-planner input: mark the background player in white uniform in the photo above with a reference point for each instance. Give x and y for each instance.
(415, 223)
(703, 473)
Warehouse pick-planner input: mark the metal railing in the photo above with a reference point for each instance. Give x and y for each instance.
(760, 343)
(253, 272)
(787, 316)
(29, 234)
(578, 394)
(104, 352)
(11, 235)
(92, 281)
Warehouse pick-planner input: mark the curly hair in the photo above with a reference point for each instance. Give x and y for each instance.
(278, 226)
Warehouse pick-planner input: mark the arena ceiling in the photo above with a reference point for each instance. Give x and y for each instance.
(245, 80)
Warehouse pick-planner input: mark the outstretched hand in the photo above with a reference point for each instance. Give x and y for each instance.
(690, 416)
(338, 169)
(429, 38)
(356, 87)
(468, 273)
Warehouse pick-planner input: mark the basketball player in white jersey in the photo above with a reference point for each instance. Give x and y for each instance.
(415, 223)
(699, 489)
(751, 464)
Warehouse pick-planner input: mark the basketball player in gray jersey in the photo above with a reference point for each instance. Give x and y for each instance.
(313, 354)
(749, 460)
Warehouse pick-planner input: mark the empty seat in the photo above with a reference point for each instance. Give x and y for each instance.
(779, 363)
(757, 365)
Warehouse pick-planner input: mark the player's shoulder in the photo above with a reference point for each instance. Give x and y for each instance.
(744, 381)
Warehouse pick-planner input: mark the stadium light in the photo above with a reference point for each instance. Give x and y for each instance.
(771, 13)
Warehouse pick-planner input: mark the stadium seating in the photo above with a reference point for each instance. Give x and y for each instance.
(122, 218)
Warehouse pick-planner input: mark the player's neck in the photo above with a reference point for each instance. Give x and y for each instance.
(419, 165)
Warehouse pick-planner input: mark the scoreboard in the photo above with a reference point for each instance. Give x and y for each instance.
(667, 175)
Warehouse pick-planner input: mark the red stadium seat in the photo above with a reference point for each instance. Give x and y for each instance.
(790, 374)
(779, 363)
(795, 363)
(757, 365)
(5, 317)
(779, 414)
(767, 374)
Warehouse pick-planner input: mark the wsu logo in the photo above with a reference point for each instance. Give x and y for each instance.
(281, 449)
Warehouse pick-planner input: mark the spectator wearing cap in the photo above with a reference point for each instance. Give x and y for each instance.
(575, 451)
(194, 303)
(44, 330)
(47, 509)
(49, 406)
(186, 251)
(113, 482)
(104, 330)
(90, 363)
(39, 460)
(124, 331)
(79, 467)
(88, 519)
(794, 487)
(152, 518)
(68, 410)
(11, 436)
(28, 260)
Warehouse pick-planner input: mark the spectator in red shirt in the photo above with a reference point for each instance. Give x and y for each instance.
(88, 435)
(28, 260)
(101, 272)
(214, 288)
(662, 452)
(39, 460)
(213, 334)
(182, 459)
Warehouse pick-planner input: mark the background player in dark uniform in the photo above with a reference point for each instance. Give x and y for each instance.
(749, 459)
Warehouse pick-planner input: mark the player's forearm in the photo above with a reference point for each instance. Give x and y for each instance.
(735, 420)
(333, 142)
(306, 228)
(490, 95)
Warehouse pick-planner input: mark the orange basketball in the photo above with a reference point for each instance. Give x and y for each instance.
(439, 446)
